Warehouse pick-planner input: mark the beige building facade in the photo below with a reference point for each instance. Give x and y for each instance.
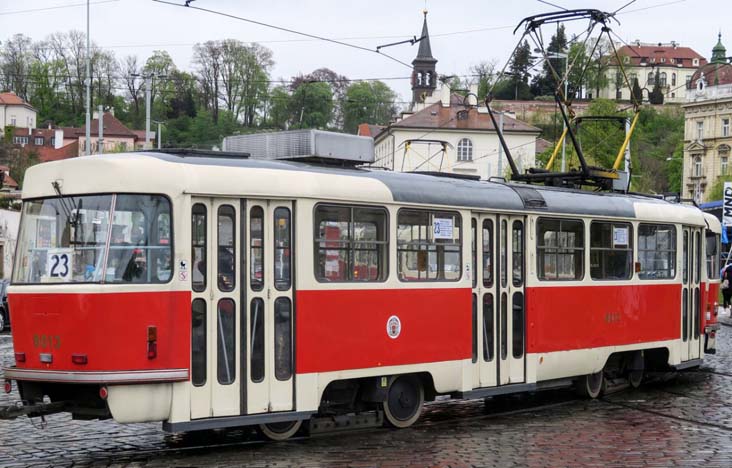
(674, 64)
(15, 112)
(708, 127)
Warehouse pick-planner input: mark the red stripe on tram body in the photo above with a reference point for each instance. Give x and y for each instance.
(347, 329)
(579, 317)
(110, 328)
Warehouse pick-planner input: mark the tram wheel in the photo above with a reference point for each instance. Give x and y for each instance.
(635, 377)
(591, 385)
(404, 401)
(281, 430)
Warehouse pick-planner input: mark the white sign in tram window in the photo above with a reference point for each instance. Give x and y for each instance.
(620, 236)
(59, 264)
(442, 228)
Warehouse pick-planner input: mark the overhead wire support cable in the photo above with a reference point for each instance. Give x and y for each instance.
(281, 28)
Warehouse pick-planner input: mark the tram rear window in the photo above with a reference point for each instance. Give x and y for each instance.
(657, 251)
(68, 239)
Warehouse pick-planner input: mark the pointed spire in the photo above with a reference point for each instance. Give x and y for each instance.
(424, 53)
(719, 52)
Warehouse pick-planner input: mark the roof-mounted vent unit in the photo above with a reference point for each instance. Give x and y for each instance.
(309, 145)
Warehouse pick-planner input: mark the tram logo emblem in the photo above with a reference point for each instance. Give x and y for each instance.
(393, 327)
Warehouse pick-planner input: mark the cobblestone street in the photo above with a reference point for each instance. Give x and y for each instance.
(686, 421)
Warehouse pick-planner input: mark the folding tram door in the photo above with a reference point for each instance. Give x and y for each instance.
(242, 307)
(691, 293)
(498, 258)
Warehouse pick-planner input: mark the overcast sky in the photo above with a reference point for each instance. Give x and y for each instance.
(464, 32)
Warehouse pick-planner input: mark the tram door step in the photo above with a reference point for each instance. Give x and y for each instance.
(321, 425)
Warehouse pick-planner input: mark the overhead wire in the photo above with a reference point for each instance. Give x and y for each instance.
(57, 7)
(281, 28)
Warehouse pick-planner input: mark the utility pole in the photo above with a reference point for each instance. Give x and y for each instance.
(100, 121)
(88, 84)
(148, 96)
(500, 146)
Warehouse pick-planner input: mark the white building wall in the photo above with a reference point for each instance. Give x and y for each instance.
(24, 117)
(390, 149)
(673, 93)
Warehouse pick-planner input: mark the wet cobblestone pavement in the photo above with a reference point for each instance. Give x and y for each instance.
(685, 421)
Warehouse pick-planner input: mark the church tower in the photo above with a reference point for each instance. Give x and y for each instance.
(424, 76)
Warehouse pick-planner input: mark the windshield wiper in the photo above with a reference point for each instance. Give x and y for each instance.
(71, 210)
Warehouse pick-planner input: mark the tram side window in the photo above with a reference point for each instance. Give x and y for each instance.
(712, 254)
(282, 253)
(657, 251)
(226, 248)
(428, 245)
(226, 354)
(256, 248)
(350, 243)
(198, 342)
(198, 247)
(561, 249)
(611, 251)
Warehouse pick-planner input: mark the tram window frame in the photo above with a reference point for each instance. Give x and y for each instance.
(560, 249)
(256, 244)
(282, 267)
(256, 340)
(518, 248)
(199, 239)
(712, 243)
(350, 245)
(283, 347)
(430, 244)
(223, 212)
(199, 359)
(474, 250)
(611, 250)
(488, 253)
(226, 350)
(644, 250)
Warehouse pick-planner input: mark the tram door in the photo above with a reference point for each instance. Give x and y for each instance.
(269, 353)
(215, 312)
(241, 280)
(691, 294)
(498, 300)
(485, 367)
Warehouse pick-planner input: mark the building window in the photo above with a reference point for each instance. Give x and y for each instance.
(688, 81)
(657, 251)
(38, 141)
(651, 79)
(350, 243)
(53, 141)
(611, 251)
(697, 166)
(673, 79)
(13, 121)
(560, 247)
(700, 130)
(662, 80)
(725, 127)
(20, 140)
(465, 150)
(696, 62)
(428, 245)
(724, 164)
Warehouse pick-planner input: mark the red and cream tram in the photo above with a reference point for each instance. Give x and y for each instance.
(209, 290)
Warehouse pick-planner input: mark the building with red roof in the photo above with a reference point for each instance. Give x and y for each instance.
(16, 112)
(673, 63)
(447, 132)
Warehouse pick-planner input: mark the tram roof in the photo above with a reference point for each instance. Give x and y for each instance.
(221, 174)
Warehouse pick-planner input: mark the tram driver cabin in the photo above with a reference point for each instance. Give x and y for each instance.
(215, 289)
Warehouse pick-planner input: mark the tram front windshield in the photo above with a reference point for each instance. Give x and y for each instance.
(94, 239)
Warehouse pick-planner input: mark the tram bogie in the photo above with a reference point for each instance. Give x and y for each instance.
(237, 292)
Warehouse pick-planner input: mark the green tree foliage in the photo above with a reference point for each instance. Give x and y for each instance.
(516, 84)
(545, 83)
(656, 95)
(311, 105)
(368, 102)
(637, 91)
(279, 108)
